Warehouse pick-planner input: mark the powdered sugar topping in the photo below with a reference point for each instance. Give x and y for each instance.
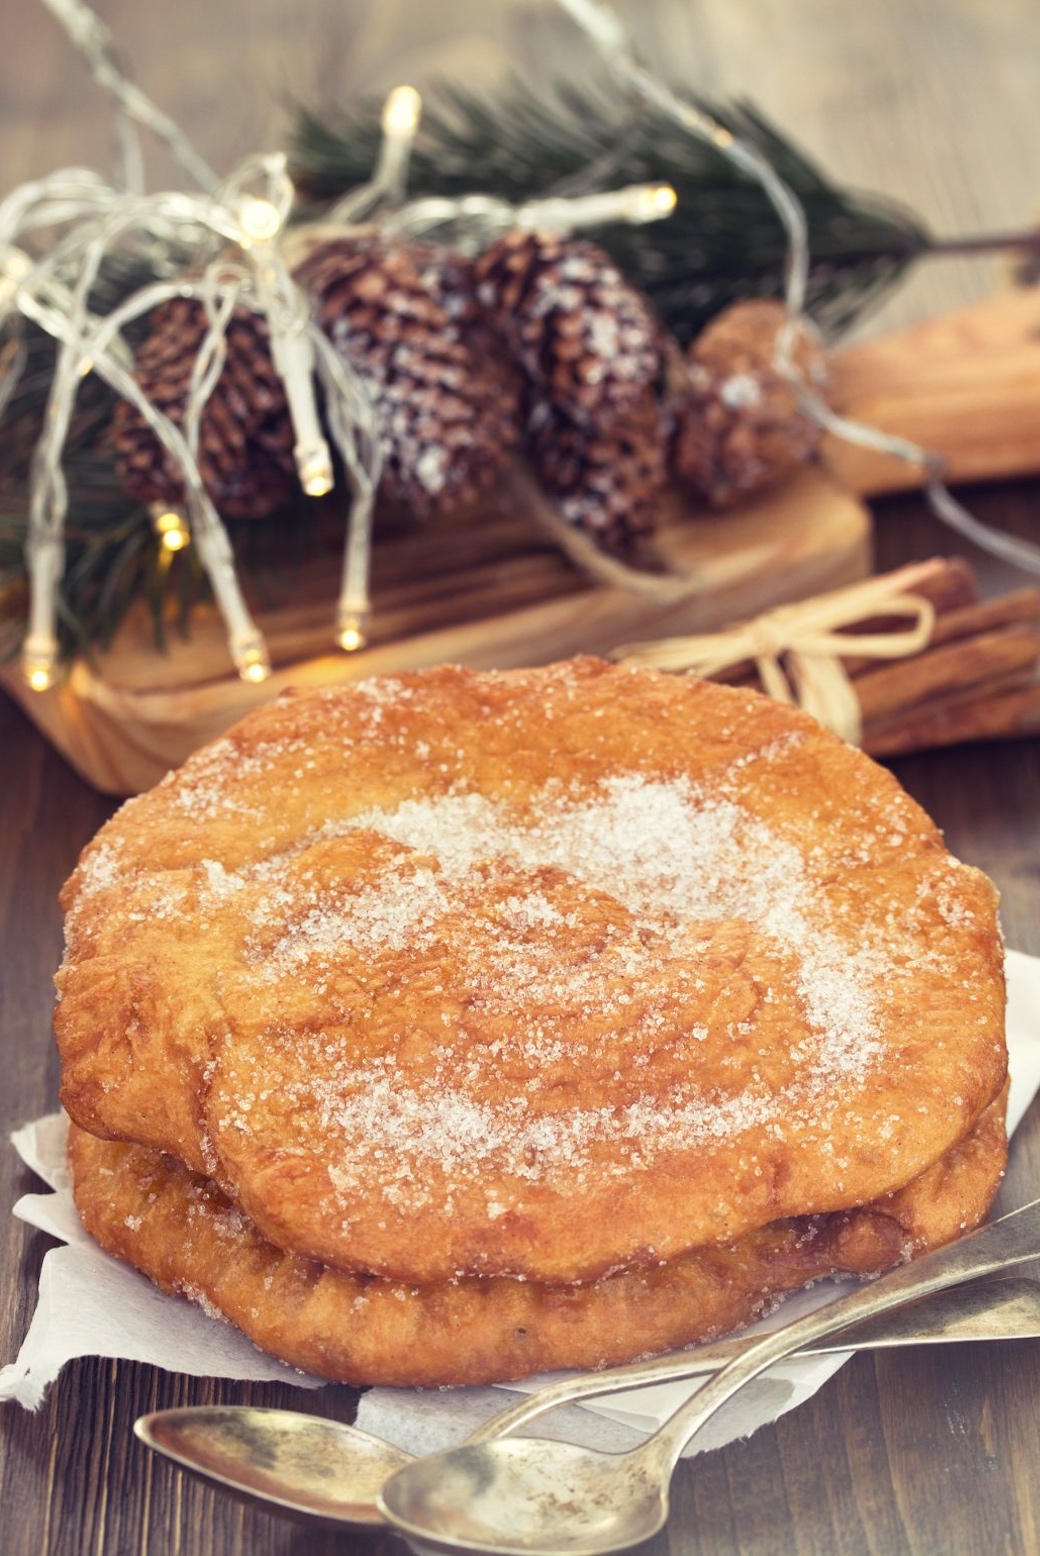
(677, 861)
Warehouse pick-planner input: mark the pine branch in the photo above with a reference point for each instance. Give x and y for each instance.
(723, 241)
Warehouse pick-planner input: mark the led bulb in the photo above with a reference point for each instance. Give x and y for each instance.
(259, 220)
(401, 112)
(40, 664)
(649, 202)
(40, 678)
(15, 265)
(314, 467)
(251, 659)
(662, 199)
(171, 528)
(351, 635)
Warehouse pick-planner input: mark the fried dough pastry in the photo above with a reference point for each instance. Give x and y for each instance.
(543, 974)
(180, 1230)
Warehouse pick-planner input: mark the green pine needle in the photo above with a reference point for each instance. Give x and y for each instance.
(723, 242)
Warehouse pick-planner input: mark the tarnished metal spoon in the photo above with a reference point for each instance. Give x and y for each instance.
(305, 1466)
(526, 1496)
(298, 1464)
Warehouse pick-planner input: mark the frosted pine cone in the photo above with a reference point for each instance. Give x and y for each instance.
(585, 337)
(738, 424)
(398, 316)
(245, 435)
(607, 482)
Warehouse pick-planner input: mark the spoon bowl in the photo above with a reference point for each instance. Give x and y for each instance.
(513, 1498)
(298, 1464)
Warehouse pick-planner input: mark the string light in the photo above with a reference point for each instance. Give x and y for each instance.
(636, 204)
(352, 424)
(399, 123)
(40, 650)
(40, 662)
(605, 30)
(100, 219)
(246, 216)
(401, 113)
(261, 220)
(67, 318)
(251, 660)
(470, 222)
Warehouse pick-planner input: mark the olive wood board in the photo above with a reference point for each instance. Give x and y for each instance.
(491, 589)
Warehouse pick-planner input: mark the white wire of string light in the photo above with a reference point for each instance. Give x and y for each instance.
(91, 38)
(101, 218)
(602, 25)
(233, 215)
(68, 320)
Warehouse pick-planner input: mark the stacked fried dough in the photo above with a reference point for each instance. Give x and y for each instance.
(454, 1026)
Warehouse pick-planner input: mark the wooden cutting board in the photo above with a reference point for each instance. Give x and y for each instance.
(493, 591)
(490, 594)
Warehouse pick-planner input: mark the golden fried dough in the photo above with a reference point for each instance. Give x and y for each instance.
(544, 974)
(181, 1231)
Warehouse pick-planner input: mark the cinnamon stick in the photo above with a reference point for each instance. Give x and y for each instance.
(903, 683)
(996, 686)
(1022, 605)
(1014, 713)
(1004, 610)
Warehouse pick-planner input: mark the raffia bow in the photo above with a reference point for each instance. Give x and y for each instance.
(797, 649)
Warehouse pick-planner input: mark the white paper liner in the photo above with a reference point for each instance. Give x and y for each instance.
(92, 1305)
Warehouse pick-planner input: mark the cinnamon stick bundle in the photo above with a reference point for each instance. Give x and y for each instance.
(976, 680)
(977, 677)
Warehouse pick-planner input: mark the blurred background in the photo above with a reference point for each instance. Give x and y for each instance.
(935, 103)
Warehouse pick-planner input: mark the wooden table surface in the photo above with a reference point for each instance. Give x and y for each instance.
(924, 1452)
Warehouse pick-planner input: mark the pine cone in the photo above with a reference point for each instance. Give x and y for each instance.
(399, 316)
(605, 482)
(245, 434)
(738, 424)
(584, 336)
(450, 278)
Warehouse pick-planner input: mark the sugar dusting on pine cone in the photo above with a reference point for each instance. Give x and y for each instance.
(605, 482)
(587, 340)
(245, 454)
(399, 316)
(739, 424)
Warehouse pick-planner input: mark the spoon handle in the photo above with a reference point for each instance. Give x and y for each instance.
(1012, 1240)
(1006, 1309)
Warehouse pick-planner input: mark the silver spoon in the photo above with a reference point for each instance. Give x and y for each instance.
(533, 1497)
(306, 1466)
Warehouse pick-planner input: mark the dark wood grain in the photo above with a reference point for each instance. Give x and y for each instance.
(924, 1453)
